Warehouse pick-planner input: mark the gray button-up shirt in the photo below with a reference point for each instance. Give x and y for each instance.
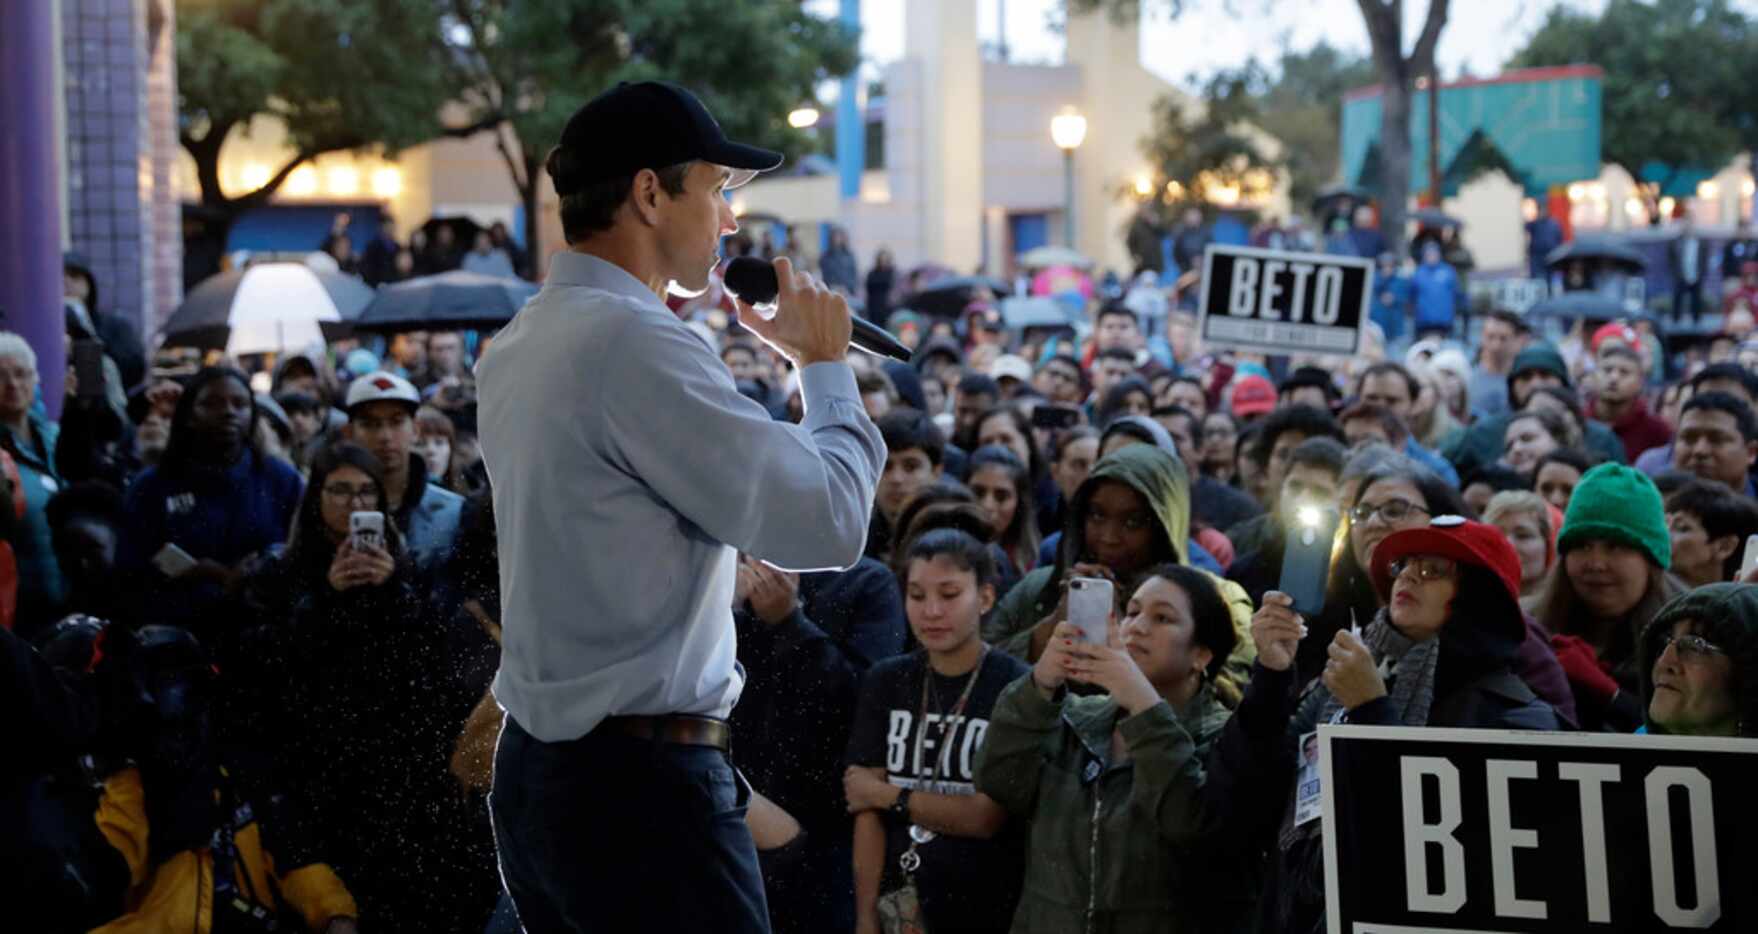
(628, 473)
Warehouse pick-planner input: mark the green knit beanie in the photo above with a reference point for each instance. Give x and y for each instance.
(1618, 504)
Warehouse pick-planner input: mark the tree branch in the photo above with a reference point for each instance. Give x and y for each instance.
(486, 122)
(521, 180)
(267, 191)
(1422, 56)
(1383, 35)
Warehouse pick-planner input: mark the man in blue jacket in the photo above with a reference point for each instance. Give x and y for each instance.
(381, 418)
(1437, 291)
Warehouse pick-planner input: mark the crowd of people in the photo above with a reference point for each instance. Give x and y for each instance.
(233, 711)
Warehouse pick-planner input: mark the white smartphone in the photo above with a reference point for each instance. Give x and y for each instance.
(173, 561)
(1089, 608)
(1749, 560)
(366, 530)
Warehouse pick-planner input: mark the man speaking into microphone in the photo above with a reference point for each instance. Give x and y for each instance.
(628, 473)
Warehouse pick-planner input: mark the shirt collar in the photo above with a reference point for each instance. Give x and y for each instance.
(573, 268)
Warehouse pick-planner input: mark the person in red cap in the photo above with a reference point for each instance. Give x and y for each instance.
(1253, 396)
(1618, 377)
(1440, 653)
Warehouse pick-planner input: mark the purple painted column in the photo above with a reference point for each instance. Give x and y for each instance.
(30, 192)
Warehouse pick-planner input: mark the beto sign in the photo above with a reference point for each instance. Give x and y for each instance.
(1272, 301)
(1484, 831)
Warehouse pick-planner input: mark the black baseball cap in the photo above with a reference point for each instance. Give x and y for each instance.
(646, 125)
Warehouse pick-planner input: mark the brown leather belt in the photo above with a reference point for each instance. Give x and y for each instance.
(683, 729)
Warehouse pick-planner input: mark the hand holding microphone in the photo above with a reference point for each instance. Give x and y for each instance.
(754, 282)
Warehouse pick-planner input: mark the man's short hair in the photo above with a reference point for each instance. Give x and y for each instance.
(1724, 402)
(1116, 309)
(904, 429)
(733, 345)
(1394, 368)
(1397, 433)
(1622, 350)
(1726, 371)
(1320, 453)
(1509, 318)
(1309, 376)
(873, 381)
(1498, 477)
(979, 384)
(593, 208)
(1577, 458)
(1722, 512)
(1309, 421)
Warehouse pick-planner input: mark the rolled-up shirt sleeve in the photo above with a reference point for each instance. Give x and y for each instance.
(796, 496)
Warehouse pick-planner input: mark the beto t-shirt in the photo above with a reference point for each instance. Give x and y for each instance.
(964, 884)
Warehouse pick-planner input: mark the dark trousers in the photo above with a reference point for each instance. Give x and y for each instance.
(613, 833)
(1687, 299)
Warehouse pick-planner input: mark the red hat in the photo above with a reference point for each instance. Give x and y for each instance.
(1253, 395)
(1617, 329)
(1454, 537)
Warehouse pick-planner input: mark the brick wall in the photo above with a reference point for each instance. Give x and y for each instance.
(121, 149)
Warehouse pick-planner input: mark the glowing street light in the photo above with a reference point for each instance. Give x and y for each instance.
(1068, 130)
(803, 118)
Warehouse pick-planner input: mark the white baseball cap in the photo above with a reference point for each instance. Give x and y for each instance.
(382, 387)
(1011, 366)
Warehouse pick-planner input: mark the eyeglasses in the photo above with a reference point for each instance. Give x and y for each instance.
(1691, 648)
(1392, 510)
(342, 492)
(1427, 567)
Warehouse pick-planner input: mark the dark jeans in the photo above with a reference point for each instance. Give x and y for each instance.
(613, 833)
(1687, 299)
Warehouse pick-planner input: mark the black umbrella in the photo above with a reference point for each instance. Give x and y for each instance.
(1597, 249)
(1336, 194)
(946, 298)
(449, 301)
(268, 307)
(1592, 306)
(1439, 220)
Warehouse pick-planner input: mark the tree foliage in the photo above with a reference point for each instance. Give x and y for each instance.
(1301, 104)
(1678, 78)
(1205, 154)
(339, 74)
(1395, 68)
(528, 66)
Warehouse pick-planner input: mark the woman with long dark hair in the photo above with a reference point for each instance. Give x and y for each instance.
(351, 676)
(1003, 486)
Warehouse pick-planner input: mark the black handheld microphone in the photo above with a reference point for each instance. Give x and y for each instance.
(753, 281)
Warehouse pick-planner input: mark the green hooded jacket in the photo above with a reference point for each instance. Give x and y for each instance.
(1162, 480)
(1726, 615)
(1112, 851)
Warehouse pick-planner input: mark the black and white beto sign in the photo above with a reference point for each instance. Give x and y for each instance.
(1486, 831)
(1271, 301)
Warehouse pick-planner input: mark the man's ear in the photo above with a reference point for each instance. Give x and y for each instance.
(644, 195)
(1724, 547)
(1751, 453)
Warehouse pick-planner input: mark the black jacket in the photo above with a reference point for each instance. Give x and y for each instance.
(791, 725)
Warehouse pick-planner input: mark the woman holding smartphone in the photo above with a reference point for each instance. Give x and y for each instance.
(928, 845)
(350, 674)
(1097, 778)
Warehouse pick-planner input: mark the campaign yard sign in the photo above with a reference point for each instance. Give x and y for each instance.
(1488, 831)
(1277, 302)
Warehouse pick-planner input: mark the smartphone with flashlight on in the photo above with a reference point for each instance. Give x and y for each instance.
(1306, 561)
(1090, 602)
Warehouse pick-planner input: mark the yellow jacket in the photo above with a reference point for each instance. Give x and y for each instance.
(178, 894)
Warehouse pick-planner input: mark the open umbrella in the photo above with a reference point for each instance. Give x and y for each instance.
(1436, 219)
(269, 307)
(1336, 196)
(947, 297)
(449, 301)
(1045, 256)
(1034, 312)
(1593, 306)
(1597, 249)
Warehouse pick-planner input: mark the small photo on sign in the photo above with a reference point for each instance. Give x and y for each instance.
(1278, 302)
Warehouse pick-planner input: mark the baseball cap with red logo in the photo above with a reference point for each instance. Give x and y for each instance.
(1616, 330)
(382, 387)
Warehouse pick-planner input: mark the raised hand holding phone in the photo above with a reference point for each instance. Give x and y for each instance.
(1090, 604)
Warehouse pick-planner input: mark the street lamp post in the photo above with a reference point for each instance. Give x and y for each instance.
(1068, 129)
